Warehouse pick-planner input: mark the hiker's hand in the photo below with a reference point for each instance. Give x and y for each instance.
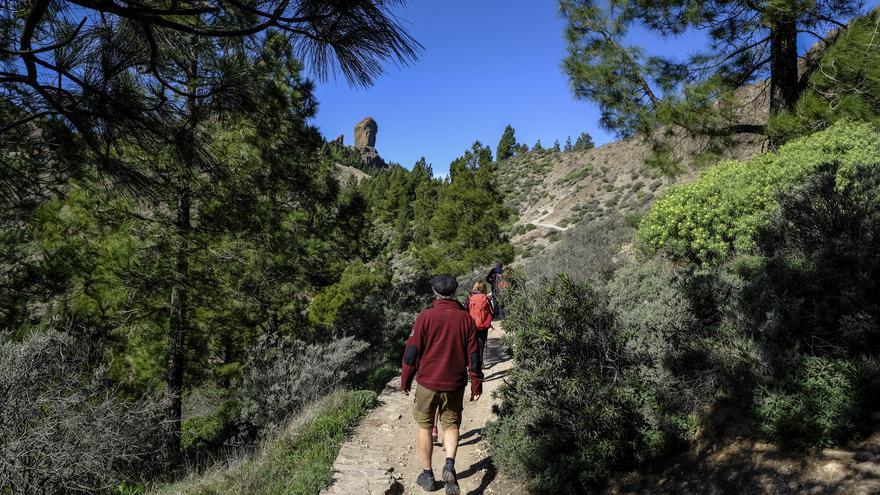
(475, 398)
(405, 392)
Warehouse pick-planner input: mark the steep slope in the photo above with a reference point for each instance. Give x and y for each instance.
(558, 195)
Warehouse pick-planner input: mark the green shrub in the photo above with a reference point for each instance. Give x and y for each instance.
(819, 287)
(632, 219)
(567, 417)
(333, 303)
(523, 229)
(204, 433)
(719, 213)
(283, 375)
(575, 175)
(568, 221)
(673, 354)
(819, 407)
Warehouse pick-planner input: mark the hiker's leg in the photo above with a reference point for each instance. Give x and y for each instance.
(424, 411)
(482, 337)
(450, 441)
(450, 417)
(425, 446)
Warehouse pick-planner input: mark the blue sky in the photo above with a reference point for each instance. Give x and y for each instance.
(485, 64)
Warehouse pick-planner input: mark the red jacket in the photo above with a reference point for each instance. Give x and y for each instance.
(442, 348)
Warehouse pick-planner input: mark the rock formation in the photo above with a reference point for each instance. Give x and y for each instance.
(365, 133)
(339, 141)
(371, 157)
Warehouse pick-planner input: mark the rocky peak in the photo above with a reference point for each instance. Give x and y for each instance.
(365, 133)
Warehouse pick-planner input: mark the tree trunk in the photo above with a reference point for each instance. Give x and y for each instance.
(179, 324)
(179, 304)
(783, 66)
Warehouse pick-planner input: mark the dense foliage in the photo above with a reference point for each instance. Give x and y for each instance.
(775, 334)
(708, 219)
(565, 416)
(180, 268)
(448, 225)
(588, 397)
(706, 94)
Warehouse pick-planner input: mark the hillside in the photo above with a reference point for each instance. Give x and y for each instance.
(561, 196)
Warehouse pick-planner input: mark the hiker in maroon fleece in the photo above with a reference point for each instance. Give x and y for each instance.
(443, 349)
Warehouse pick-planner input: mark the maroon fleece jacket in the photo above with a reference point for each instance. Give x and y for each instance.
(442, 348)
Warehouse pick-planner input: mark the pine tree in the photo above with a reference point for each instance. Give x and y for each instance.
(506, 145)
(466, 223)
(846, 84)
(568, 146)
(638, 93)
(425, 202)
(556, 147)
(537, 146)
(156, 76)
(584, 142)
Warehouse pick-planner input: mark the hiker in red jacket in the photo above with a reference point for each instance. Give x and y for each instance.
(480, 309)
(442, 348)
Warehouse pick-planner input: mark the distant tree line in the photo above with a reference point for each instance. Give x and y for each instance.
(508, 147)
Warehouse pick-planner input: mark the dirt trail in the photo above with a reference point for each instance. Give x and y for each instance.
(539, 222)
(380, 457)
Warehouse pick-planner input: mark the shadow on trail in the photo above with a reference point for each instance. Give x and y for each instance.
(495, 376)
(470, 441)
(470, 433)
(488, 476)
(495, 353)
(748, 465)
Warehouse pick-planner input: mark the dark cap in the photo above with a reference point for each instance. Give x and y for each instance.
(444, 285)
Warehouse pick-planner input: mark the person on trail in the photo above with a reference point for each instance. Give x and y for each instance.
(480, 310)
(493, 278)
(442, 348)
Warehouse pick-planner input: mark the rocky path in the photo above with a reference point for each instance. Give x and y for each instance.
(381, 458)
(539, 223)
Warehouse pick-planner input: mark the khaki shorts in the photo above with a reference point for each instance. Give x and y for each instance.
(428, 402)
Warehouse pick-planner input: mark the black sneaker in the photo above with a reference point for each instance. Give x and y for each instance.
(449, 479)
(426, 481)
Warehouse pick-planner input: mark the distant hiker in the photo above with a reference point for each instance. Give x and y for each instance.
(493, 278)
(443, 349)
(480, 310)
(494, 275)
